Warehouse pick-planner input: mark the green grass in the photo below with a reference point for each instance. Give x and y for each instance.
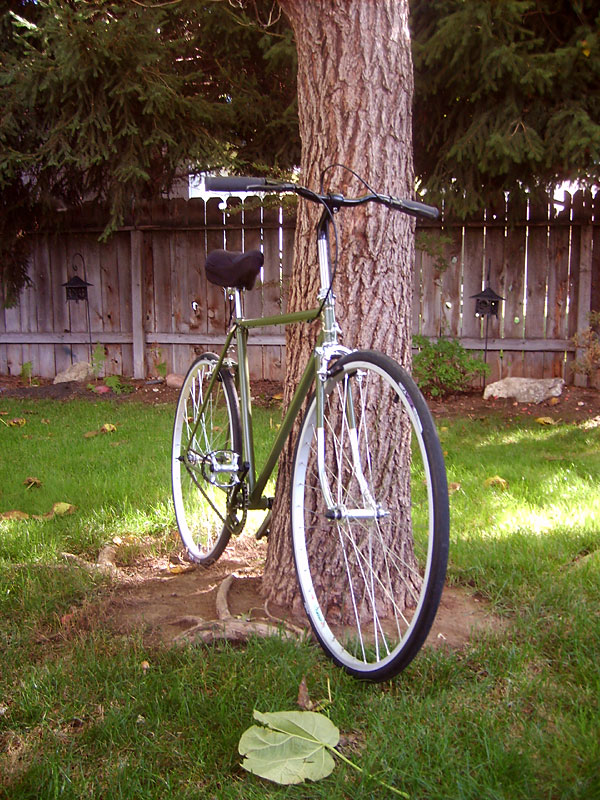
(513, 717)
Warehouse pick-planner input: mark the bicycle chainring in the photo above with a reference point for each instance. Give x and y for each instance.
(235, 504)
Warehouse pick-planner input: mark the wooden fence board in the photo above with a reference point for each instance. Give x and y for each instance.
(108, 315)
(3, 346)
(42, 290)
(537, 275)
(558, 291)
(60, 308)
(431, 294)
(472, 278)
(257, 300)
(511, 286)
(595, 298)
(451, 281)
(162, 286)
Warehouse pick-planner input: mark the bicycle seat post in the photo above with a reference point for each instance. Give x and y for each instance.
(238, 303)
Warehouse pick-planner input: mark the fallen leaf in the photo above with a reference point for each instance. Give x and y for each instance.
(60, 509)
(179, 569)
(31, 482)
(90, 434)
(108, 427)
(144, 666)
(291, 748)
(17, 422)
(453, 487)
(546, 421)
(304, 700)
(496, 480)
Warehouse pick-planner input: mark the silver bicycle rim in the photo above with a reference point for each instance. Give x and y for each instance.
(201, 527)
(376, 645)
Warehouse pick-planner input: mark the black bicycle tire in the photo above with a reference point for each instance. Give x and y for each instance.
(438, 536)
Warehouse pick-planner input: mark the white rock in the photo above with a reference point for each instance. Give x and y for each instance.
(525, 390)
(80, 372)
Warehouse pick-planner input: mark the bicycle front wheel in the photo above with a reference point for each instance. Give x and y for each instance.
(206, 461)
(370, 520)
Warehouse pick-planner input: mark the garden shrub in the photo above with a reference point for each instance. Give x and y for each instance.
(444, 367)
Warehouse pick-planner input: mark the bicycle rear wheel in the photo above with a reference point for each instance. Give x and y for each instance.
(206, 461)
(370, 531)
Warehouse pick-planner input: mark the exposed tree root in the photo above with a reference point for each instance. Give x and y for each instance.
(227, 627)
(235, 629)
(105, 562)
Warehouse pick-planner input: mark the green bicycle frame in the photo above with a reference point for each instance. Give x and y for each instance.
(239, 330)
(256, 483)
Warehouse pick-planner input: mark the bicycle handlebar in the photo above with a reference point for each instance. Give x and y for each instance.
(247, 184)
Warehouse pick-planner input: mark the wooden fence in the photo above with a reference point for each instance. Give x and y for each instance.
(546, 265)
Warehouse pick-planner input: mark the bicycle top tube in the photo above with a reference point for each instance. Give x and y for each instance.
(332, 201)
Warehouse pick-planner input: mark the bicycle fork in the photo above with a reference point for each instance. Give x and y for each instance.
(344, 442)
(348, 435)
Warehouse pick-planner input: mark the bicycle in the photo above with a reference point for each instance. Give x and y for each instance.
(371, 594)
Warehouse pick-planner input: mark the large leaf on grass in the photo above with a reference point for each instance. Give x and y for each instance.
(291, 748)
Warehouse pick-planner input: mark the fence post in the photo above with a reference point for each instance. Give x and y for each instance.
(584, 298)
(137, 311)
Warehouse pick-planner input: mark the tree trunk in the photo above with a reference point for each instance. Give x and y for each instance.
(354, 96)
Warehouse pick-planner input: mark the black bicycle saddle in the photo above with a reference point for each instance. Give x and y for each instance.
(232, 269)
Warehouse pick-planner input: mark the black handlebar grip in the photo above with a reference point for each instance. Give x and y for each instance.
(419, 209)
(232, 183)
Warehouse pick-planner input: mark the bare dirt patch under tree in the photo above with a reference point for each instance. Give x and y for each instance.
(169, 600)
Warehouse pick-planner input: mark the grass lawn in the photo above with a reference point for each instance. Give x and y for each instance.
(514, 716)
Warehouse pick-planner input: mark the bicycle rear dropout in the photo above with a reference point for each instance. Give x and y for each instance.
(369, 500)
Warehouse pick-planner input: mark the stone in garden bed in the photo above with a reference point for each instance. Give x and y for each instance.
(525, 390)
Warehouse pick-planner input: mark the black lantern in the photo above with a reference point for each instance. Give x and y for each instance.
(486, 303)
(76, 288)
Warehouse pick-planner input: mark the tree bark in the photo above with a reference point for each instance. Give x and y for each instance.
(355, 87)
